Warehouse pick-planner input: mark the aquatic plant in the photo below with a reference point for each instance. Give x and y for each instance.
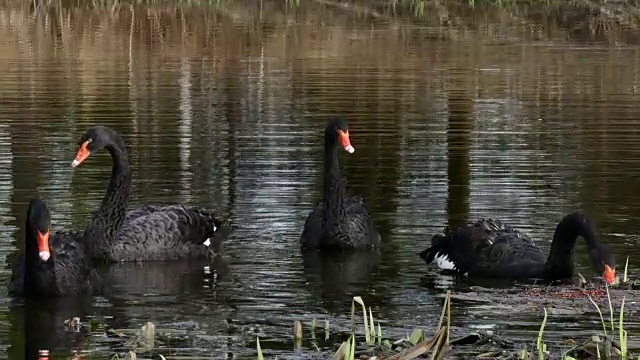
(622, 334)
(260, 357)
(417, 344)
(605, 346)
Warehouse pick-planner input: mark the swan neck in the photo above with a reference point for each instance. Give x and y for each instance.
(333, 184)
(30, 244)
(110, 216)
(561, 257)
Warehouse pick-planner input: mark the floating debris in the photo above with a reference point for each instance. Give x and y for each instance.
(564, 293)
(72, 325)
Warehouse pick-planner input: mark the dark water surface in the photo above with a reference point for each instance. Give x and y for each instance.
(453, 117)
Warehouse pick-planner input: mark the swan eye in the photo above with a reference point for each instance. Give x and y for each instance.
(88, 141)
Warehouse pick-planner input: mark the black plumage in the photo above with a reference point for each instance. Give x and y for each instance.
(339, 220)
(52, 265)
(491, 249)
(148, 233)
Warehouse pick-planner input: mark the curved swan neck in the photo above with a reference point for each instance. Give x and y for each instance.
(109, 218)
(561, 257)
(333, 185)
(119, 188)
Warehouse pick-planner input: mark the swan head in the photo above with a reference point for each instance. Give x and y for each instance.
(338, 130)
(39, 223)
(578, 224)
(604, 263)
(93, 140)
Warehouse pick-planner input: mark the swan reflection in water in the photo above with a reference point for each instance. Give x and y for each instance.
(336, 277)
(37, 324)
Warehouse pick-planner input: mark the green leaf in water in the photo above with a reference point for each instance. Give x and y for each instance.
(416, 336)
(358, 299)
(260, 357)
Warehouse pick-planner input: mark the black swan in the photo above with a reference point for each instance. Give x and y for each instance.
(52, 265)
(339, 220)
(491, 249)
(148, 233)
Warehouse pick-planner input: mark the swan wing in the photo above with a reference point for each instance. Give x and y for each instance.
(510, 255)
(74, 272)
(166, 233)
(141, 211)
(313, 230)
(362, 230)
(468, 248)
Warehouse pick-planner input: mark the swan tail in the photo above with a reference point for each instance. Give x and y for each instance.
(457, 248)
(440, 252)
(460, 249)
(215, 229)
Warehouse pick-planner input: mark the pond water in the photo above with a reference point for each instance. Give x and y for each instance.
(455, 114)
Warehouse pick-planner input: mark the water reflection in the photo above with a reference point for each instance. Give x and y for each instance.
(458, 157)
(335, 279)
(6, 187)
(133, 280)
(459, 114)
(185, 127)
(39, 324)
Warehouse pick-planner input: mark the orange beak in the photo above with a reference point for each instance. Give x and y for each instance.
(609, 274)
(82, 155)
(43, 246)
(345, 142)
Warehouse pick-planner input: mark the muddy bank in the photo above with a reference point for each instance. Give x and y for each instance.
(563, 300)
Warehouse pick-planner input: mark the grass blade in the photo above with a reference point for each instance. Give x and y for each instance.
(367, 334)
(604, 325)
(539, 344)
(372, 327)
(610, 307)
(260, 357)
(326, 330)
(352, 350)
(623, 333)
(626, 265)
